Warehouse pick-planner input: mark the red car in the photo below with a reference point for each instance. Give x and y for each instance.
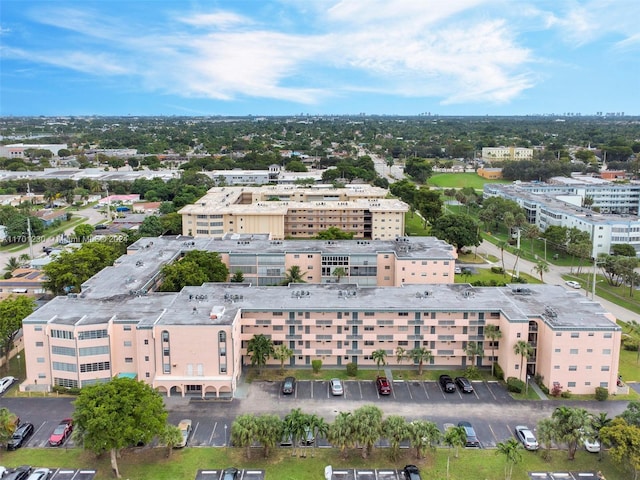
(61, 433)
(383, 385)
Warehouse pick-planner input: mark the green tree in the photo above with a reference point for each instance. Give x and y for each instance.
(341, 432)
(318, 427)
(380, 357)
(171, 436)
(12, 311)
(523, 349)
(260, 349)
(420, 355)
(114, 415)
(294, 275)
(244, 431)
(151, 227)
(569, 426)
(455, 437)
(541, 268)
(237, 277)
(295, 426)
(474, 350)
(531, 232)
(597, 423)
(8, 422)
(82, 232)
(512, 451)
(624, 442)
(423, 435)
(459, 230)
(623, 250)
(269, 432)
(401, 354)
(631, 414)
(334, 233)
(171, 223)
(12, 265)
(546, 435)
(282, 353)
(180, 274)
(395, 429)
(493, 334)
(367, 424)
(339, 272)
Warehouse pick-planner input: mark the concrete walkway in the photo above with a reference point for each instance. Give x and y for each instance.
(534, 386)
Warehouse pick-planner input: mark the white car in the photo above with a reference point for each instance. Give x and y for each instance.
(572, 284)
(185, 430)
(526, 437)
(5, 383)
(40, 474)
(590, 444)
(335, 386)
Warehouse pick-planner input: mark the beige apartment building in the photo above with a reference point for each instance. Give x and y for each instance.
(286, 211)
(194, 342)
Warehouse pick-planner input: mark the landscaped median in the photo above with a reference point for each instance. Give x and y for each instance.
(153, 464)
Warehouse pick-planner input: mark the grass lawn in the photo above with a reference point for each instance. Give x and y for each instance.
(414, 225)
(460, 180)
(153, 464)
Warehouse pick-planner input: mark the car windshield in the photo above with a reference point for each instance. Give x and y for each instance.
(59, 429)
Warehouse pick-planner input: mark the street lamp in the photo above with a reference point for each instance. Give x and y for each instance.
(19, 366)
(225, 434)
(526, 388)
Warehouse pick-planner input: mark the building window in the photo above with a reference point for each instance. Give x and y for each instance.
(607, 335)
(166, 368)
(606, 351)
(64, 367)
(93, 334)
(146, 341)
(589, 350)
(573, 368)
(575, 335)
(40, 360)
(56, 350)
(128, 360)
(66, 334)
(37, 329)
(39, 344)
(518, 335)
(573, 351)
(146, 358)
(88, 351)
(571, 384)
(94, 367)
(604, 368)
(558, 334)
(604, 384)
(557, 350)
(127, 343)
(127, 328)
(556, 367)
(147, 375)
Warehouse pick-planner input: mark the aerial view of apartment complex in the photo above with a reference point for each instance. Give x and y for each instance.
(287, 211)
(194, 342)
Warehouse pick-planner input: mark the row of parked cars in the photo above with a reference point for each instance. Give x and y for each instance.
(24, 431)
(25, 472)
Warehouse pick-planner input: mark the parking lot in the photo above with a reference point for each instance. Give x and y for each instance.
(212, 474)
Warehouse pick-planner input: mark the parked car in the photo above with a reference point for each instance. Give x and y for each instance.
(526, 437)
(590, 444)
(472, 439)
(411, 472)
(101, 226)
(335, 386)
(40, 474)
(572, 284)
(464, 384)
(20, 436)
(446, 382)
(20, 473)
(457, 269)
(308, 439)
(383, 386)
(231, 474)
(61, 433)
(288, 386)
(3, 471)
(5, 383)
(185, 430)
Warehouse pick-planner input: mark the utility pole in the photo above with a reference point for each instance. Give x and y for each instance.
(30, 239)
(593, 285)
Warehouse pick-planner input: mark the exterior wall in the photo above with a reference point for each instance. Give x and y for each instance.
(490, 173)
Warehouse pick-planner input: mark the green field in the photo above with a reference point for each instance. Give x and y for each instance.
(460, 180)
(153, 464)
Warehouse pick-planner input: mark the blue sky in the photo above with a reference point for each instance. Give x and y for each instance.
(284, 57)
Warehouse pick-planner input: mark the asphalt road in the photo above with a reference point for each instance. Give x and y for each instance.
(492, 412)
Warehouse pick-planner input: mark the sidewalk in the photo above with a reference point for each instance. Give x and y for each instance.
(534, 386)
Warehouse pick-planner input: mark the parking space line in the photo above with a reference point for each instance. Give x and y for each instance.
(491, 391)
(360, 388)
(215, 424)
(409, 390)
(494, 434)
(193, 434)
(424, 387)
(312, 389)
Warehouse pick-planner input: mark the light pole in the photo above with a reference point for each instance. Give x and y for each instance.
(19, 366)
(526, 388)
(225, 434)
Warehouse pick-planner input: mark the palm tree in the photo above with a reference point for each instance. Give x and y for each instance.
(532, 232)
(294, 275)
(455, 437)
(493, 333)
(502, 246)
(380, 357)
(395, 429)
(420, 355)
(294, 425)
(401, 354)
(259, 348)
(515, 272)
(473, 350)
(367, 423)
(511, 449)
(546, 434)
(12, 265)
(269, 431)
(282, 353)
(523, 349)
(598, 422)
(341, 431)
(541, 268)
(318, 427)
(422, 435)
(339, 272)
(569, 425)
(24, 258)
(244, 430)
(171, 436)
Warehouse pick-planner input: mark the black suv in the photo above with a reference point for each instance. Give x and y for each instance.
(446, 382)
(411, 472)
(464, 384)
(289, 385)
(20, 436)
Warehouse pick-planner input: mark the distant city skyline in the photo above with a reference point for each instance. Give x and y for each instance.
(319, 57)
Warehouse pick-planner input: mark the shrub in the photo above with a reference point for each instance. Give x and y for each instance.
(630, 344)
(556, 390)
(515, 385)
(602, 394)
(497, 369)
(495, 269)
(472, 373)
(352, 369)
(544, 389)
(566, 394)
(316, 365)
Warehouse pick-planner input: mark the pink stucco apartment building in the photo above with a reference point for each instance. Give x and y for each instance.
(194, 342)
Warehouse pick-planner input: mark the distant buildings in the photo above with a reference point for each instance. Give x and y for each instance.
(17, 150)
(195, 342)
(497, 154)
(295, 212)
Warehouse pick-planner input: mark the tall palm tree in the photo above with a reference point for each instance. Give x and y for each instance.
(455, 437)
(269, 431)
(546, 435)
(523, 349)
(531, 232)
(493, 333)
(318, 427)
(420, 355)
(294, 424)
(401, 354)
(380, 357)
(395, 429)
(598, 422)
(474, 350)
(341, 432)
(541, 268)
(515, 272)
(367, 423)
(511, 449)
(294, 275)
(570, 424)
(244, 430)
(282, 353)
(423, 434)
(339, 272)
(171, 436)
(259, 348)
(502, 246)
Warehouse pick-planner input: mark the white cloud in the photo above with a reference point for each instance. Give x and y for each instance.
(221, 19)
